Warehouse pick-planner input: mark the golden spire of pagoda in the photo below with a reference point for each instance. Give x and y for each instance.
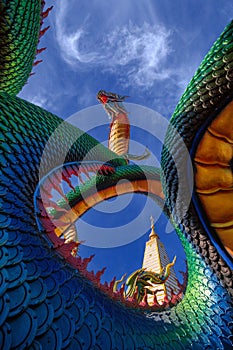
(152, 233)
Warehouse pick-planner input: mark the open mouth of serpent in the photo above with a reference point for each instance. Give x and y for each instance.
(62, 197)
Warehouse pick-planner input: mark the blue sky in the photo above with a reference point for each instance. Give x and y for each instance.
(146, 49)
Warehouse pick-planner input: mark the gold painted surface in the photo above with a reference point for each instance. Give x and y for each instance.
(222, 126)
(218, 206)
(214, 151)
(150, 186)
(119, 135)
(214, 177)
(226, 235)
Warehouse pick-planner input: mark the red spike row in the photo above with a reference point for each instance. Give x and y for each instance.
(67, 180)
(86, 261)
(85, 171)
(65, 172)
(74, 261)
(57, 242)
(132, 303)
(55, 178)
(45, 190)
(144, 302)
(156, 307)
(135, 295)
(57, 187)
(47, 225)
(106, 170)
(43, 31)
(165, 302)
(80, 179)
(98, 167)
(92, 167)
(88, 167)
(88, 274)
(122, 289)
(155, 301)
(75, 249)
(117, 296)
(65, 249)
(102, 170)
(174, 300)
(99, 274)
(75, 170)
(42, 3)
(182, 286)
(91, 276)
(111, 170)
(45, 13)
(38, 51)
(111, 285)
(179, 296)
(37, 62)
(106, 288)
(71, 170)
(133, 299)
(33, 73)
(173, 297)
(41, 208)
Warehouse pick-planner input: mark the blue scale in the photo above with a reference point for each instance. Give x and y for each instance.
(19, 299)
(38, 291)
(23, 330)
(58, 304)
(45, 316)
(67, 327)
(52, 339)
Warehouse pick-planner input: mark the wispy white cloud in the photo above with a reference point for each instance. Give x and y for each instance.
(71, 51)
(137, 53)
(142, 50)
(39, 100)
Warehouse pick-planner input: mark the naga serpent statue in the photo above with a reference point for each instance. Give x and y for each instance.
(48, 298)
(141, 279)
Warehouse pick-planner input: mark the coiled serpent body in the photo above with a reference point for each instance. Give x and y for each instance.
(46, 303)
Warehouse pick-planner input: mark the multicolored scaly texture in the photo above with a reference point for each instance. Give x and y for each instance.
(47, 303)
